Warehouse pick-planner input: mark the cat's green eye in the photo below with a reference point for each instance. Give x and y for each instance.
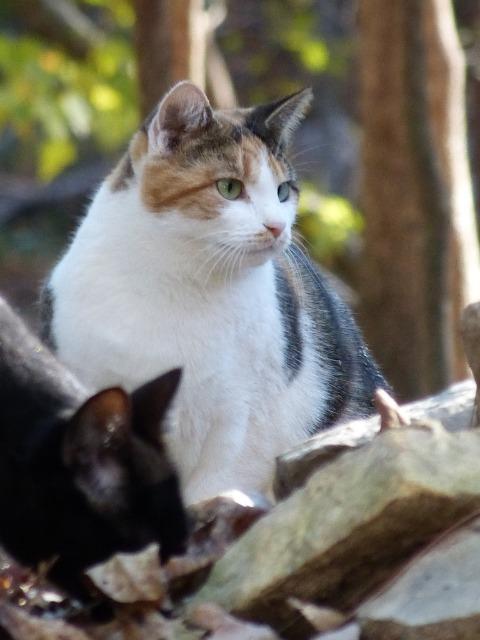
(229, 188)
(283, 191)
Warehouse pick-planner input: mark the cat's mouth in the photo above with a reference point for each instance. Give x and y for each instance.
(269, 246)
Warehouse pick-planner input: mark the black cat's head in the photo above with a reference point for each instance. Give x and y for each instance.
(106, 480)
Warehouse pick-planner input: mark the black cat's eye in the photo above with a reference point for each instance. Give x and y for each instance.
(283, 191)
(229, 188)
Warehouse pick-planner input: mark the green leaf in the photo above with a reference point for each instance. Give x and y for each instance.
(327, 222)
(54, 156)
(315, 55)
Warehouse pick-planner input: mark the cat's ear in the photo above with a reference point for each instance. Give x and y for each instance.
(278, 121)
(150, 403)
(95, 446)
(185, 109)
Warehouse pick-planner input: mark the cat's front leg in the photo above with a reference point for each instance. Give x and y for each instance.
(226, 463)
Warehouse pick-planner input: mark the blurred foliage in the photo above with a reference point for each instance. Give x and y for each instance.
(327, 222)
(59, 109)
(57, 105)
(282, 35)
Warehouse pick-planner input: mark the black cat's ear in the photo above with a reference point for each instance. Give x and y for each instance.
(277, 122)
(150, 403)
(95, 445)
(185, 109)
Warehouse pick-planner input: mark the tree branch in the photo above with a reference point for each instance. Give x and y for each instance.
(22, 196)
(59, 21)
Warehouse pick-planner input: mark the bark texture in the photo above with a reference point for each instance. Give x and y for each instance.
(170, 43)
(421, 262)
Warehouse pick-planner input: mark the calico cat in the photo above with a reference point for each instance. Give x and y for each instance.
(185, 259)
(80, 479)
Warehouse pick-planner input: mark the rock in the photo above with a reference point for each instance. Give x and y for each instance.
(349, 632)
(453, 408)
(437, 597)
(471, 344)
(352, 525)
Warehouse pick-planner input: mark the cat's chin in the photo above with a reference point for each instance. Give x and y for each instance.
(257, 257)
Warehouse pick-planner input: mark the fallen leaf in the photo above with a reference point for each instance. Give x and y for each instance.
(321, 618)
(218, 522)
(21, 625)
(222, 626)
(391, 415)
(131, 577)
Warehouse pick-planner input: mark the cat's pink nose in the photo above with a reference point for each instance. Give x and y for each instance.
(275, 228)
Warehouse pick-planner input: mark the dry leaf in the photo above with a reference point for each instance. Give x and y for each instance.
(391, 415)
(218, 522)
(139, 625)
(321, 618)
(21, 625)
(131, 577)
(222, 626)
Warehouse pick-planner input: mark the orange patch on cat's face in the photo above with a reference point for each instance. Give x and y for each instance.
(177, 182)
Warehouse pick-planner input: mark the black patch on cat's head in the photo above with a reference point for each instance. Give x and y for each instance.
(112, 446)
(275, 123)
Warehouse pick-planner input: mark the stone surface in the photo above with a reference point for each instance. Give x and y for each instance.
(453, 407)
(437, 597)
(471, 345)
(352, 525)
(349, 632)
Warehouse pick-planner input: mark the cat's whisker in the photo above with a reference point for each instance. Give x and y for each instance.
(300, 240)
(236, 262)
(295, 270)
(220, 233)
(222, 253)
(301, 152)
(229, 265)
(211, 260)
(308, 163)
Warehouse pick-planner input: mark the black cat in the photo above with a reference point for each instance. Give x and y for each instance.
(80, 479)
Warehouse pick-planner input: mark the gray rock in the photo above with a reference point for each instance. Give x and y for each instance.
(349, 632)
(352, 525)
(453, 408)
(436, 597)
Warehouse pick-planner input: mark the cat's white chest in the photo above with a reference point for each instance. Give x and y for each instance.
(227, 342)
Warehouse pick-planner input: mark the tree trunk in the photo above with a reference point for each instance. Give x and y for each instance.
(421, 262)
(170, 42)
